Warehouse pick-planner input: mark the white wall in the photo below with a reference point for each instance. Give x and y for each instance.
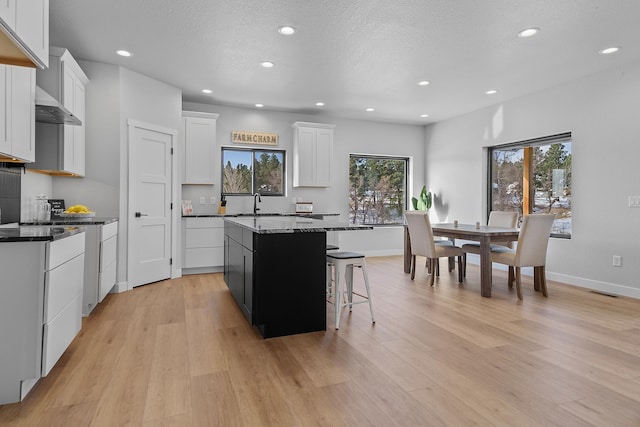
(350, 136)
(601, 111)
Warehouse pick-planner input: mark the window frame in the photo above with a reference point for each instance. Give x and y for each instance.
(254, 154)
(407, 184)
(531, 143)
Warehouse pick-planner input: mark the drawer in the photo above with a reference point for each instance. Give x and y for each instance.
(108, 250)
(106, 281)
(109, 230)
(64, 249)
(59, 332)
(204, 222)
(62, 284)
(204, 237)
(204, 257)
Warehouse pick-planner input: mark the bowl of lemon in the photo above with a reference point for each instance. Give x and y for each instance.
(77, 211)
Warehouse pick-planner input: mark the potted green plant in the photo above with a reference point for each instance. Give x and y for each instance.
(424, 202)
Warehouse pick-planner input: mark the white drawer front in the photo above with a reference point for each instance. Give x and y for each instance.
(64, 249)
(62, 284)
(59, 332)
(108, 250)
(205, 238)
(204, 257)
(206, 222)
(109, 230)
(107, 281)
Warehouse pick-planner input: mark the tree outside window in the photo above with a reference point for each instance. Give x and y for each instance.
(377, 189)
(534, 177)
(250, 171)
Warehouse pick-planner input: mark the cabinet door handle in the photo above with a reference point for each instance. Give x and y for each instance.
(139, 214)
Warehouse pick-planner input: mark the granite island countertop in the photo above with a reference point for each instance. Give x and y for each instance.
(39, 233)
(240, 214)
(291, 224)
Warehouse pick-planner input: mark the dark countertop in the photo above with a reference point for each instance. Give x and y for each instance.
(292, 224)
(73, 221)
(38, 233)
(209, 215)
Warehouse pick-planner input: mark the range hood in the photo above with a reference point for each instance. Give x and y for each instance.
(49, 110)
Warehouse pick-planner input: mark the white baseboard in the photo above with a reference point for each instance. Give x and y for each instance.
(595, 285)
(120, 287)
(202, 270)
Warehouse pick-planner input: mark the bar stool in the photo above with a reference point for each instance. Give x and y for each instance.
(329, 280)
(343, 264)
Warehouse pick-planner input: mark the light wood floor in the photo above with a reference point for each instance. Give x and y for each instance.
(180, 353)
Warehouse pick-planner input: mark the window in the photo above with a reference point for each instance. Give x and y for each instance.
(248, 171)
(377, 189)
(534, 177)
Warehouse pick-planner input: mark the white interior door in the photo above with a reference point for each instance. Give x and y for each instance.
(150, 197)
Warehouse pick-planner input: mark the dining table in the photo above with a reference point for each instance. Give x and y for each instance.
(480, 233)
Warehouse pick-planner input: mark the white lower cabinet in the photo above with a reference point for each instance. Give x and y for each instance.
(108, 255)
(40, 309)
(100, 264)
(203, 244)
(62, 298)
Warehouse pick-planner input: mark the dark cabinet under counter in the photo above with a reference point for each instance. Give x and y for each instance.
(277, 279)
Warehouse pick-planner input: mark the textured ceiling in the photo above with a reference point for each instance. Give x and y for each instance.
(354, 54)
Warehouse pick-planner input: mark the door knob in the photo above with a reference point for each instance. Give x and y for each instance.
(139, 214)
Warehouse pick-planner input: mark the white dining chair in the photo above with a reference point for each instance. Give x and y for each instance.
(422, 244)
(531, 250)
(496, 219)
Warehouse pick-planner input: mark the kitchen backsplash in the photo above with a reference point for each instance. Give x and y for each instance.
(10, 177)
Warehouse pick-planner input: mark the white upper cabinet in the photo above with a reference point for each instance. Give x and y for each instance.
(8, 13)
(24, 34)
(60, 149)
(17, 114)
(200, 148)
(312, 154)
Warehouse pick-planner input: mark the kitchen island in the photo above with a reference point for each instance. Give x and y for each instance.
(275, 268)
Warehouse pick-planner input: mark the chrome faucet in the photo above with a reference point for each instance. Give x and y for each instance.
(256, 199)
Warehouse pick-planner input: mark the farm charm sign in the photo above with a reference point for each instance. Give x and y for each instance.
(242, 137)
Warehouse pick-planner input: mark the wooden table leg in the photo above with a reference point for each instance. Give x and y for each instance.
(407, 251)
(485, 267)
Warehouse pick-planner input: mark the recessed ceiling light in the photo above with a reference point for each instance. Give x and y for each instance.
(267, 64)
(207, 91)
(423, 82)
(528, 32)
(286, 30)
(608, 50)
(370, 109)
(424, 116)
(123, 53)
(491, 92)
(259, 105)
(319, 104)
